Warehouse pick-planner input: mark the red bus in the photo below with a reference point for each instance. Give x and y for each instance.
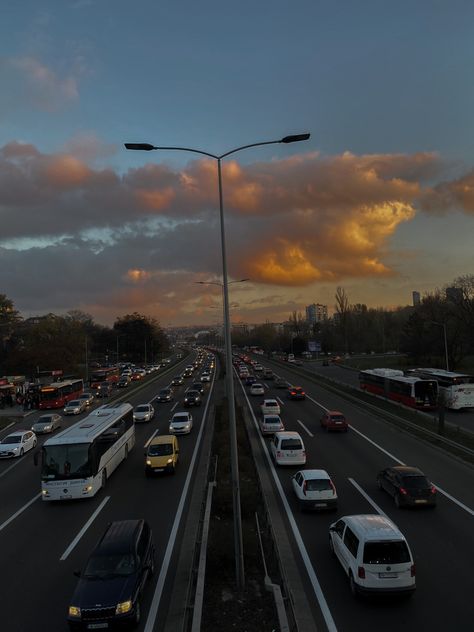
(109, 374)
(57, 394)
(393, 384)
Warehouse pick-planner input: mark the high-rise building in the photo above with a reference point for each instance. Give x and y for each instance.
(316, 312)
(416, 298)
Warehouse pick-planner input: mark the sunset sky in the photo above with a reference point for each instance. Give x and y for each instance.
(379, 201)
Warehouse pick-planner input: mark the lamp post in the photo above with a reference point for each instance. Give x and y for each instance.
(239, 562)
(443, 325)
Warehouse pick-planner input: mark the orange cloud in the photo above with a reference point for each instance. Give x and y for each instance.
(66, 171)
(138, 276)
(155, 200)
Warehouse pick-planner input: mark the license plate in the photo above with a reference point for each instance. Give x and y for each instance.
(158, 469)
(420, 501)
(320, 504)
(338, 423)
(97, 626)
(388, 575)
(69, 497)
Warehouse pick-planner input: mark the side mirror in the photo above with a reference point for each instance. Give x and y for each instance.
(332, 528)
(76, 573)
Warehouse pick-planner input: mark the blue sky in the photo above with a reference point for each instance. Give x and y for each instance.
(368, 78)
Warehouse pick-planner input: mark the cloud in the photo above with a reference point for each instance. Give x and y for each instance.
(109, 242)
(457, 194)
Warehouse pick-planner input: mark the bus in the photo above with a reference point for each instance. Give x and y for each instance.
(77, 462)
(393, 384)
(457, 388)
(57, 394)
(108, 374)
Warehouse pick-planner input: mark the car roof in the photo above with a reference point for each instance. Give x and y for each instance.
(407, 470)
(120, 536)
(315, 474)
(288, 434)
(158, 440)
(334, 412)
(374, 526)
(16, 432)
(270, 401)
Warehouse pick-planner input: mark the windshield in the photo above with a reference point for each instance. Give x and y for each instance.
(142, 409)
(112, 565)
(415, 482)
(45, 419)
(12, 439)
(162, 449)
(386, 552)
(50, 394)
(291, 444)
(73, 403)
(64, 462)
(318, 484)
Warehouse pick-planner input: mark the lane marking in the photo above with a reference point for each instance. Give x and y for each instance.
(155, 602)
(279, 399)
(147, 443)
(73, 544)
(331, 626)
(379, 447)
(174, 406)
(304, 427)
(317, 403)
(368, 498)
(11, 467)
(20, 511)
(454, 500)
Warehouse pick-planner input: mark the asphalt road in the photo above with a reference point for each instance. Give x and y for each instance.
(36, 537)
(441, 539)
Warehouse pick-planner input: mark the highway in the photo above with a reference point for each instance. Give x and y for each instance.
(441, 539)
(43, 543)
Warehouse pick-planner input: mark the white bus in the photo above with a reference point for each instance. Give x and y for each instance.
(77, 462)
(457, 388)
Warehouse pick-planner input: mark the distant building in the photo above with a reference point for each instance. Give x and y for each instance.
(316, 313)
(454, 294)
(416, 298)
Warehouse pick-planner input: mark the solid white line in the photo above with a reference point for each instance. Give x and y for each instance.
(155, 603)
(304, 427)
(317, 403)
(147, 443)
(20, 511)
(457, 502)
(376, 445)
(84, 529)
(331, 626)
(11, 467)
(368, 498)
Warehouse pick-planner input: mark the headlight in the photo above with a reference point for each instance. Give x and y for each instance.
(148, 461)
(47, 428)
(15, 450)
(123, 607)
(87, 489)
(169, 461)
(74, 611)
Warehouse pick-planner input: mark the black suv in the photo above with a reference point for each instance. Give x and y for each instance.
(110, 587)
(192, 398)
(165, 395)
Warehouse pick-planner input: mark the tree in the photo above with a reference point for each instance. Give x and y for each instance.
(141, 337)
(342, 308)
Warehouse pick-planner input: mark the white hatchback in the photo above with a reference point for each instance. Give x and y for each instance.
(181, 423)
(143, 412)
(314, 489)
(257, 389)
(287, 448)
(269, 424)
(270, 407)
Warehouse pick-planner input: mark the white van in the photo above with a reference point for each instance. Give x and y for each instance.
(374, 554)
(287, 448)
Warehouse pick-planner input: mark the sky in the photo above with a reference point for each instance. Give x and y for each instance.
(379, 200)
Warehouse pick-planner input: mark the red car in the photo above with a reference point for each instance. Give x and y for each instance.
(334, 420)
(296, 392)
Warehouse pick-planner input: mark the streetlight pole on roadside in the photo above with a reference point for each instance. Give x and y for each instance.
(443, 325)
(239, 561)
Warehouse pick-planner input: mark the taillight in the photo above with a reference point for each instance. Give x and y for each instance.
(412, 570)
(303, 452)
(332, 487)
(361, 572)
(278, 453)
(403, 491)
(433, 489)
(304, 488)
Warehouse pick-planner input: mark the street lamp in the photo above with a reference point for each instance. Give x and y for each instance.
(295, 138)
(443, 325)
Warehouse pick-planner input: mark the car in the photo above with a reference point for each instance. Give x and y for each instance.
(268, 374)
(181, 423)
(143, 412)
(270, 407)
(111, 585)
(408, 486)
(374, 555)
(251, 379)
(136, 377)
(205, 377)
(165, 395)
(296, 392)
(192, 398)
(287, 448)
(334, 420)
(124, 381)
(88, 397)
(17, 443)
(75, 407)
(198, 386)
(280, 383)
(161, 454)
(257, 389)
(177, 380)
(47, 423)
(269, 424)
(105, 389)
(314, 489)
(258, 368)
(141, 372)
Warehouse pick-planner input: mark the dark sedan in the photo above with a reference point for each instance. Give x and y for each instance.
(408, 486)
(192, 398)
(165, 395)
(296, 392)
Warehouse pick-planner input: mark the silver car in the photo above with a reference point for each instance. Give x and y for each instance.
(47, 423)
(75, 407)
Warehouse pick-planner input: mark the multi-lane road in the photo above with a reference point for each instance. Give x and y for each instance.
(441, 539)
(42, 543)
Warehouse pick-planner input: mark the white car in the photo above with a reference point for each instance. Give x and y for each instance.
(143, 412)
(270, 407)
(75, 407)
(257, 389)
(205, 377)
(181, 423)
(47, 423)
(314, 489)
(17, 443)
(269, 424)
(287, 448)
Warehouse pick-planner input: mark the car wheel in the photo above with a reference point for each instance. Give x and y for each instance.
(397, 501)
(173, 469)
(138, 615)
(379, 483)
(126, 452)
(353, 585)
(104, 478)
(22, 452)
(331, 548)
(34, 443)
(152, 564)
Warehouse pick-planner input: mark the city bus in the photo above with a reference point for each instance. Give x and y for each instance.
(107, 374)
(393, 384)
(57, 394)
(77, 462)
(457, 388)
